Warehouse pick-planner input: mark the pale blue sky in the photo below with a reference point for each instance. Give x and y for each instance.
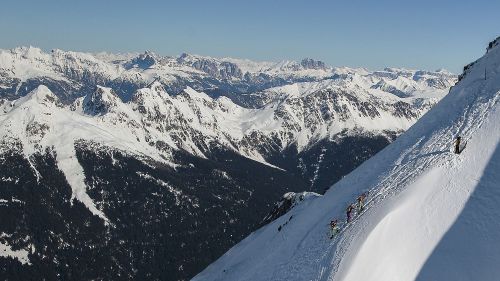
(375, 34)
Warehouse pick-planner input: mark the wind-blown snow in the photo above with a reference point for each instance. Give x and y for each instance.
(430, 214)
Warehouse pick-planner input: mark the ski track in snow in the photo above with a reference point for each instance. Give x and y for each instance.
(405, 174)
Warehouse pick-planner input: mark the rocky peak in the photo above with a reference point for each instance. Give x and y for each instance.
(229, 69)
(152, 96)
(211, 66)
(157, 87)
(183, 56)
(384, 86)
(100, 102)
(43, 95)
(142, 61)
(493, 44)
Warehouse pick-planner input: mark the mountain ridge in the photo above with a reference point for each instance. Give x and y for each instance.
(73, 74)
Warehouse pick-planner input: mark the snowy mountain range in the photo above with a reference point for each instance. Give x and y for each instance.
(429, 214)
(73, 74)
(184, 154)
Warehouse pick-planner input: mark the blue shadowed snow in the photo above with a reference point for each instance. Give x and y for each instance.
(469, 250)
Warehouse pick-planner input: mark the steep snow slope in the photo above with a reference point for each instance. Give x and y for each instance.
(430, 214)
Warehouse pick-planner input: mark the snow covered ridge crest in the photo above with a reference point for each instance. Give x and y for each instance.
(424, 204)
(301, 114)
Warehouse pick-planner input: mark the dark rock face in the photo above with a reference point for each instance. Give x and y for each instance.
(63, 90)
(390, 89)
(143, 61)
(216, 69)
(285, 204)
(99, 102)
(123, 88)
(9, 85)
(230, 70)
(493, 44)
(469, 66)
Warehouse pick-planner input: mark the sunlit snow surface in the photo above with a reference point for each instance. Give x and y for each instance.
(430, 214)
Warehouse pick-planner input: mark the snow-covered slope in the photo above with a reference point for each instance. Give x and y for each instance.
(430, 214)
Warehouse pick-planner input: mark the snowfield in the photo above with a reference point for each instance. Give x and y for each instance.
(430, 214)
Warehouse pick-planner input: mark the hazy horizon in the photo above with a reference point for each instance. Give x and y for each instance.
(414, 35)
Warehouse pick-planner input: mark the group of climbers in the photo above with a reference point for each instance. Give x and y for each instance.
(359, 207)
(334, 224)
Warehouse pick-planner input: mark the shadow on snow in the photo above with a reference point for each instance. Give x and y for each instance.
(470, 249)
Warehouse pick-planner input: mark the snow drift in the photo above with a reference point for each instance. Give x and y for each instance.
(430, 214)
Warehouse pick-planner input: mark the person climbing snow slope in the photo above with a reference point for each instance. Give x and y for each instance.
(361, 202)
(457, 145)
(349, 210)
(334, 228)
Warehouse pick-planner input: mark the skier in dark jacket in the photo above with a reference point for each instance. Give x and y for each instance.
(349, 210)
(457, 145)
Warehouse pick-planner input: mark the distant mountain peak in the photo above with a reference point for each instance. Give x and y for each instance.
(43, 94)
(100, 102)
(143, 61)
(308, 63)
